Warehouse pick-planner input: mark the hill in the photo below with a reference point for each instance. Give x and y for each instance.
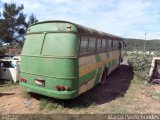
(138, 44)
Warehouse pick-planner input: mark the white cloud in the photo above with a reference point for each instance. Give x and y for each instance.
(126, 18)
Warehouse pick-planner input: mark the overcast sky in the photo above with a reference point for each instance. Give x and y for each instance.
(125, 18)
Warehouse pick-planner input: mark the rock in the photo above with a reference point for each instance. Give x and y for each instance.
(27, 102)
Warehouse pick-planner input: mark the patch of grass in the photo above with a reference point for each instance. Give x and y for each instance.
(43, 103)
(131, 102)
(5, 83)
(155, 94)
(49, 104)
(82, 102)
(137, 80)
(117, 106)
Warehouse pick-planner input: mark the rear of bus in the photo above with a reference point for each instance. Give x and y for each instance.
(49, 63)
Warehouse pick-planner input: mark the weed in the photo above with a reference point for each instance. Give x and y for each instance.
(50, 104)
(43, 103)
(5, 83)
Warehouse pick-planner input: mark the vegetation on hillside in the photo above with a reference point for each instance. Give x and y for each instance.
(138, 44)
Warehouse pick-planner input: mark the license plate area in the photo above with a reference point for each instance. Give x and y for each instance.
(39, 82)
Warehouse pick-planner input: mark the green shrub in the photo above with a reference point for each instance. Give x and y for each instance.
(141, 65)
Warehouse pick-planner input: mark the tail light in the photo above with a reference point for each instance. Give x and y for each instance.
(58, 88)
(67, 88)
(23, 80)
(62, 88)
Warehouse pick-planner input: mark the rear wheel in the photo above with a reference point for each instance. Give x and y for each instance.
(104, 76)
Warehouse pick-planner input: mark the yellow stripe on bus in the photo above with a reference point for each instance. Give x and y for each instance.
(87, 69)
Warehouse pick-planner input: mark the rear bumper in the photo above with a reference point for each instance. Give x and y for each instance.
(51, 93)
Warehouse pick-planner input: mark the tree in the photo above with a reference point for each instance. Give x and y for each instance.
(13, 24)
(32, 19)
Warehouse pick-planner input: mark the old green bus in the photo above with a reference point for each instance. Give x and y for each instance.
(62, 60)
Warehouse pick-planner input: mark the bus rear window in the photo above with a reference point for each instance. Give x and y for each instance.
(60, 44)
(33, 44)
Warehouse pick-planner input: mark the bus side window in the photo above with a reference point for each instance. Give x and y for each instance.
(119, 45)
(115, 45)
(99, 43)
(84, 46)
(104, 43)
(112, 46)
(87, 46)
(109, 44)
(92, 44)
(84, 43)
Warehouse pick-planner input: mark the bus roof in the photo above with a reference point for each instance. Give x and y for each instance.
(83, 31)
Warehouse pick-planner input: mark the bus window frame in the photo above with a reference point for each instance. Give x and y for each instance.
(84, 52)
(101, 48)
(110, 45)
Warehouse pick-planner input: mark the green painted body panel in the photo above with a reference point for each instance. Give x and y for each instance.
(99, 71)
(51, 93)
(51, 55)
(52, 26)
(53, 67)
(87, 77)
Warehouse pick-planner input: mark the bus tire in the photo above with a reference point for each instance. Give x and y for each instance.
(104, 76)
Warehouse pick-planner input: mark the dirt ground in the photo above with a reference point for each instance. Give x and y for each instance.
(121, 93)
